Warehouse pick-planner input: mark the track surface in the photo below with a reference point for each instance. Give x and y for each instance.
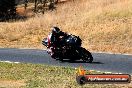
(116, 63)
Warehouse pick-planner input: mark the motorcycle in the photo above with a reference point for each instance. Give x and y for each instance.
(70, 49)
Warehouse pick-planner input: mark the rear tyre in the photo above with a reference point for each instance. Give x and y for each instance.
(86, 56)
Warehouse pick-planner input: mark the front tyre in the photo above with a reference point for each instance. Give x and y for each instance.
(86, 56)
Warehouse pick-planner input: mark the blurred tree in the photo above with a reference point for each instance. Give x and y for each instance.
(7, 9)
(25, 2)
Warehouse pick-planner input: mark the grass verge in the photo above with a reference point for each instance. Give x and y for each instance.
(43, 76)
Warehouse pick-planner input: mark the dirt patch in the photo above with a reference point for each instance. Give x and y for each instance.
(12, 83)
(28, 12)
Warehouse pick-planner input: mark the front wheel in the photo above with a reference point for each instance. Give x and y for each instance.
(86, 56)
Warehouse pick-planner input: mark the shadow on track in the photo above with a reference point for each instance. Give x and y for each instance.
(80, 61)
(96, 63)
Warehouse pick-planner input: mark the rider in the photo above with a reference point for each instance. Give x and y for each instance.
(54, 38)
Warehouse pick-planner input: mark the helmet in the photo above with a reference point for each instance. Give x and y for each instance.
(55, 30)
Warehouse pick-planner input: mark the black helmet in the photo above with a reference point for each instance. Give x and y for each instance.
(55, 30)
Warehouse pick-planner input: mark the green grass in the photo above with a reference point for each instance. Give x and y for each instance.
(43, 76)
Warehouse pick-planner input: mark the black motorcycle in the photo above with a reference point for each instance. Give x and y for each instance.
(70, 49)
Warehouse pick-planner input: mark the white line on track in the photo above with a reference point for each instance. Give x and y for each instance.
(10, 62)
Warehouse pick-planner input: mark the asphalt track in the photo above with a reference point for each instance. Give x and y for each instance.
(116, 63)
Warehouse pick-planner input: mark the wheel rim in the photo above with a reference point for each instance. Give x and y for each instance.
(87, 57)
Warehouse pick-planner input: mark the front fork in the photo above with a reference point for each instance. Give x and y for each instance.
(50, 50)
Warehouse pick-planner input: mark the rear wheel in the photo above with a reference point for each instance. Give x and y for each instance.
(86, 56)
